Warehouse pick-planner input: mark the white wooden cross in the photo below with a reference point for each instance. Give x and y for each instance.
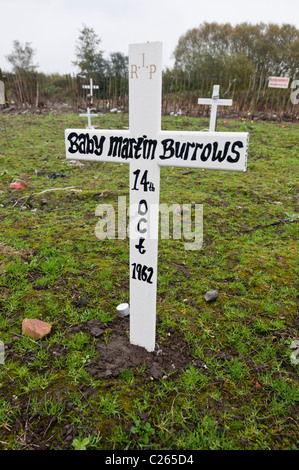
(146, 148)
(91, 87)
(89, 116)
(214, 102)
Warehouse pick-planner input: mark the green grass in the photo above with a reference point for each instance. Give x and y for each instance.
(240, 388)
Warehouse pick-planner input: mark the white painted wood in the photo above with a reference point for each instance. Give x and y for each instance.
(207, 150)
(214, 102)
(91, 87)
(89, 116)
(278, 82)
(145, 79)
(145, 147)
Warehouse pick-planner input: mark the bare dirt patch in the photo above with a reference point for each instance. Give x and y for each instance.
(116, 354)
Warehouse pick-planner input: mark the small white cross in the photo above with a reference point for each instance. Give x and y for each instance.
(91, 87)
(89, 116)
(214, 102)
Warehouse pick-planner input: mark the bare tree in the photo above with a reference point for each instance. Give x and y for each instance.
(25, 86)
(88, 57)
(22, 56)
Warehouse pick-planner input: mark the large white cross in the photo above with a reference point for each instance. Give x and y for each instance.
(89, 116)
(146, 148)
(91, 87)
(214, 102)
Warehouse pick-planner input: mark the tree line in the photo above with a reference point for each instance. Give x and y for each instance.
(26, 85)
(267, 49)
(239, 58)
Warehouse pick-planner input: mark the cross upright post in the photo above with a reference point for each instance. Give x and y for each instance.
(214, 102)
(146, 148)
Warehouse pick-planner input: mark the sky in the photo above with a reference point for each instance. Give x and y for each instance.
(52, 27)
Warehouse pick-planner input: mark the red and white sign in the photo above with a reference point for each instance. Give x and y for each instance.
(279, 82)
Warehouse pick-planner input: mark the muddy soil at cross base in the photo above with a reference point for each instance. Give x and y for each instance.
(115, 355)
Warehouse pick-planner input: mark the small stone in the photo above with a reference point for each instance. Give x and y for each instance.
(156, 371)
(76, 163)
(81, 303)
(34, 328)
(95, 331)
(211, 295)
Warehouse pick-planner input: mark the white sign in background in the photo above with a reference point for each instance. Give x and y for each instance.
(146, 148)
(278, 82)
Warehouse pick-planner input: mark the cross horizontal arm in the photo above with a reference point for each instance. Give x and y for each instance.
(208, 150)
(219, 102)
(88, 115)
(96, 87)
(96, 145)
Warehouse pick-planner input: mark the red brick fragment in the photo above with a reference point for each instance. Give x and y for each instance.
(34, 328)
(17, 185)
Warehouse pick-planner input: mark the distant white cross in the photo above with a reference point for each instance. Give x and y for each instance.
(146, 148)
(89, 116)
(91, 87)
(214, 102)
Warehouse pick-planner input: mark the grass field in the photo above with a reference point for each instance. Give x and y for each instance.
(224, 378)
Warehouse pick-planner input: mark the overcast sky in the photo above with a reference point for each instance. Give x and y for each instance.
(52, 26)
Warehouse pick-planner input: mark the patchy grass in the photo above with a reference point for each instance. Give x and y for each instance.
(237, 388)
